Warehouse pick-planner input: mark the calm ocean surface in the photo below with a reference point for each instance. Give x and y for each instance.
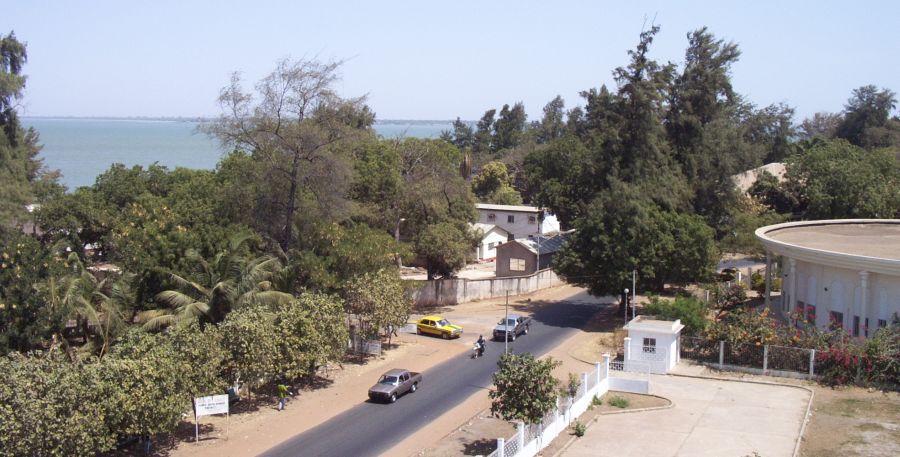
(83, 148)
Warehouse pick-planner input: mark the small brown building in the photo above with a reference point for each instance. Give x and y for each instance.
(525, 256)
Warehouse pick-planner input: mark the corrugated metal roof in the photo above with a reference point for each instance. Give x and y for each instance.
(546, 245)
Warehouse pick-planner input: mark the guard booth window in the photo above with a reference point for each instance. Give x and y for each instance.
(650, 345)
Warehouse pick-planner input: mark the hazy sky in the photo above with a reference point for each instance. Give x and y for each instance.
(434, 60)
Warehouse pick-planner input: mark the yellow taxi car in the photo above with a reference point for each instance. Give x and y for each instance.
(437, 325)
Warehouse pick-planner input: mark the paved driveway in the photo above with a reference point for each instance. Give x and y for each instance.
(708, 418)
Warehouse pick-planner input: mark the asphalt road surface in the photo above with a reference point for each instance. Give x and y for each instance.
(371, 428)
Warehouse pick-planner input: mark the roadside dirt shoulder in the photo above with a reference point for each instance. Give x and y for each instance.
(263, 427)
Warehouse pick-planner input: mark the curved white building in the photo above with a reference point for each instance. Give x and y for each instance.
(838, 272)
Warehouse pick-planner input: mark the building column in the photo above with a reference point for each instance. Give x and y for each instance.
(863, 300)
(768, 280)
(792, 303)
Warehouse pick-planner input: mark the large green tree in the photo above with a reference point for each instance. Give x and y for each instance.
(494, 185)
(311, 331)
(838, 180)
(867, 119)
(20, 169)
(621, 232)
(380, 302)
(509, 128)
(295, 126)
(50, 406)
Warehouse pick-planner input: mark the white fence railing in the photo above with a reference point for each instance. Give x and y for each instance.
(766, 360)
(530, 439)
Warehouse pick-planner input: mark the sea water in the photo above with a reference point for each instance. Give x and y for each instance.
(81, 149)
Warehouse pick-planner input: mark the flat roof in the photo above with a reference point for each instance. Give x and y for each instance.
(871, 245)
(517, 208)
(648, 323)
(878, 240)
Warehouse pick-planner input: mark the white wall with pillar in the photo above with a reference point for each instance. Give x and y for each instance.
(853, 282)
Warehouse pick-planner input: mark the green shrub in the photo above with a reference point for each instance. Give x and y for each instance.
(618, 402)
(690, 310)
(573, 385)
(596, 401)
(579, 428)
(758, 282)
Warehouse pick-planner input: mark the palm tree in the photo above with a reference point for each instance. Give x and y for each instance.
(90, 302)
(215, 287)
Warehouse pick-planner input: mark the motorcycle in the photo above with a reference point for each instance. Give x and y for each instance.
(477, 350)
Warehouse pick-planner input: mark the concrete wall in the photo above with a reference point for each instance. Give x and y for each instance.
(442, 292)
(638, 386)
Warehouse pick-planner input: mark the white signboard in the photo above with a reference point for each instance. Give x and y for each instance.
(214, 404)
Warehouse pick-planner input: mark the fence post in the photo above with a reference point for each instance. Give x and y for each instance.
(812, 363)
(627, 351)
(604, 369)
(520, 434)
(765, 359)
(501, 447)
(721, 355)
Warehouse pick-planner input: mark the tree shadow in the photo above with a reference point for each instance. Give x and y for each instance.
(313, 383)
(588, 317)
(483, 446)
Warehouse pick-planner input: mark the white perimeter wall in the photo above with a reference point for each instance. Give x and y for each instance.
(441, 292)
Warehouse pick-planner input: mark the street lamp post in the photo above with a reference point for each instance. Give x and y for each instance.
(626, 304)
(397, 239)
(633, 291)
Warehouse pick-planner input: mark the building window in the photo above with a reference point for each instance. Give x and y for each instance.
(516, 264)
(837, 320)
(855, 325)
(882, 323)
(532, 220)
(492, 217)
(650, 345)
(511, 219)
(491, 245)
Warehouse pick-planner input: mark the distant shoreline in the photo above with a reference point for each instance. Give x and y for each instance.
(206, 119)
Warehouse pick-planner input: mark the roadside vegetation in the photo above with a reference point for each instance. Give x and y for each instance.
(121, 301)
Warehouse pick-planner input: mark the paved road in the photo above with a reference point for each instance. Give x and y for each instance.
(371, 428)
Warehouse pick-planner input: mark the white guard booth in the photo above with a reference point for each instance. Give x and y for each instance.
(653, 343)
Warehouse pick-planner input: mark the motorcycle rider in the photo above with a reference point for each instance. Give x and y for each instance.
(480, 344)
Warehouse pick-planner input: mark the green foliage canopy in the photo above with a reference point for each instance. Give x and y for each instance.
(525, 388)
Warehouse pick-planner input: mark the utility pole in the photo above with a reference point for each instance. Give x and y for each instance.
(505, 325)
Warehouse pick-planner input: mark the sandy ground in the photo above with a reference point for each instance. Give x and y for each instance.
(261, 426)
(471, 271)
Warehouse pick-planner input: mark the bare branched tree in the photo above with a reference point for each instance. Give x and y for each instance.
(293, 124)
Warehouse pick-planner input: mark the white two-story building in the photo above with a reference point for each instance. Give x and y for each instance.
(518, 221)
